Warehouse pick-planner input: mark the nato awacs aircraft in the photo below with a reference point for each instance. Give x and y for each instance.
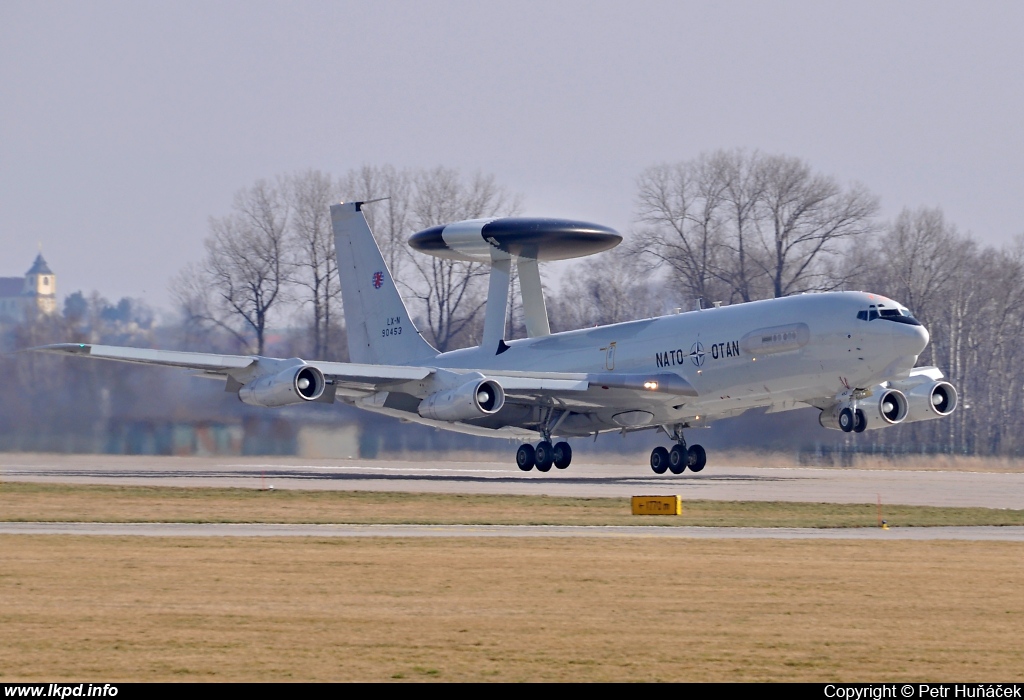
(850, 354)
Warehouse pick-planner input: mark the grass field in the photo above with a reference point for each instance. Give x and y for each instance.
(57, 502)
(107, 609)
(118, 609)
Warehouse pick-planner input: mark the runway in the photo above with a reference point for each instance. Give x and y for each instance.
(732, 482)
(1003, 534)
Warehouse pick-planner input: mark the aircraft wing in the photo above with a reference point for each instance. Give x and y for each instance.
(367, 378)
(240, 367)
(165, 358)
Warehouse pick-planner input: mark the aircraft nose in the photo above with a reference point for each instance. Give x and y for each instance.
(910, 340)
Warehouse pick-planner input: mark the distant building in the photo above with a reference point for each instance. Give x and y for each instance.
(33, 294)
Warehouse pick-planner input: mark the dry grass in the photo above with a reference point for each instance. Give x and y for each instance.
(97, 503)
(105, 609)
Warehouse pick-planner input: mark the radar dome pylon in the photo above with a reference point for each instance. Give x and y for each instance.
(500, 242)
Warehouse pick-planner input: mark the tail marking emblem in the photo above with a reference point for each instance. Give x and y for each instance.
(378, 280)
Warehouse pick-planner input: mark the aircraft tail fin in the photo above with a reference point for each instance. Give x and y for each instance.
(380, 330)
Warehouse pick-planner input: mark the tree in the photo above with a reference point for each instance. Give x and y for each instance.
(388, 219)
(803, 218)
(314, 267)
(971, 299)
(446, 295)
(745, 226)
(742, 189)
(606, 289)
(451, 293)
(676, 206)
(243, 276)
(916, 257)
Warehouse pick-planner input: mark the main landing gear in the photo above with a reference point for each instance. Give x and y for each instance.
(680, 457)
(543, 456)
(852, 420)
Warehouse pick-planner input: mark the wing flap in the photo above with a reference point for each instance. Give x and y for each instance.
(370, 375)
(659, 382)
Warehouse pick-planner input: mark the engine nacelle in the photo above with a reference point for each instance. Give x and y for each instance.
(883, 408)
(294, 385)
(931, 400)
(472, 400)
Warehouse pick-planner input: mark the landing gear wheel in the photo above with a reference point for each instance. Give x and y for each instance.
(659, 460)
(525, 457)
(696, 458)
(544, 456)
(677, 459)
(563, 455)
(846, 420)
(860, 421)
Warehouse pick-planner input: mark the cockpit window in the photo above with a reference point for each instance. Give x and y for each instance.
(881, 311)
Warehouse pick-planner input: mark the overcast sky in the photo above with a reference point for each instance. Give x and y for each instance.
(125, 125)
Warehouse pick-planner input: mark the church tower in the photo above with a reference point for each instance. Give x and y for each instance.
(40, 289)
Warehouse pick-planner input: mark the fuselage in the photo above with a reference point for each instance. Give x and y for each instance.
(777, 352)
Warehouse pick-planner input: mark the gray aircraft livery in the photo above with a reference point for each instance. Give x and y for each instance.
(850, 354)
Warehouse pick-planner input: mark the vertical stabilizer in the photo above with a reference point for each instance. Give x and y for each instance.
(378, 324)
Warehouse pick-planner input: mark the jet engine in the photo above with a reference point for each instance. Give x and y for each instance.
(930, 400)
(294, 385)
(472, 400)
(884, 408)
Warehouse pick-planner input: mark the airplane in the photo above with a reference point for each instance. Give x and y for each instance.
(850, 354)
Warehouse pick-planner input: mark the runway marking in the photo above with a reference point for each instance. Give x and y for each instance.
(406, 469)
(33, 469)
(1003, 490)
(972, 533)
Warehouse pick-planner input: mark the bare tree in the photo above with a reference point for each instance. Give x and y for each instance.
(804, 219)
(744, 226)
(677, 206)
(243, 275)
(606, 289)
(314, 268)
(971, 299)
(916, 257)
(451, 293)
(390, 219)
(446, 295)
(743, 187)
